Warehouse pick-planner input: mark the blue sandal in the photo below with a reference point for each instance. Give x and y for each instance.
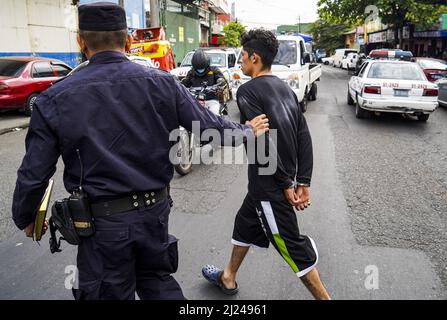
(213, 274)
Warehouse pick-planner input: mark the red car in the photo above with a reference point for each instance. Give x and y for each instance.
(23, 78)
(434, 69)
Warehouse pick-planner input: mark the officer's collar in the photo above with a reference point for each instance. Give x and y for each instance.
(107, 57)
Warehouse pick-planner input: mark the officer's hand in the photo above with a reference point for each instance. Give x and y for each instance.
(291, 196)
(260, 125)
(303, 194)
(29, 230)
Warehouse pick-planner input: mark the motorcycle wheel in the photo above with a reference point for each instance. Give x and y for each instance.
(185, 153)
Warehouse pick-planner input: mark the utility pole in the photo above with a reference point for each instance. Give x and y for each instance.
(299, 24)
(154, 13)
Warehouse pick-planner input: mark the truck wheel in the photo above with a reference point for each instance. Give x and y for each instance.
(423, 117)
(359, 112)
(350, 100)
(28, 110)
(303, 103)
(313, 92)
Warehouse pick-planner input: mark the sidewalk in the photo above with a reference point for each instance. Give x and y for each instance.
(10, 121)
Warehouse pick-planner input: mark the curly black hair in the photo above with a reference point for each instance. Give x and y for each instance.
(263, 43)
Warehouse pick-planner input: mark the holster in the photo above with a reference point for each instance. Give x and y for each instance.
(61, 220)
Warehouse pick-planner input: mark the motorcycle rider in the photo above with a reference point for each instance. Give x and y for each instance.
(203, 73)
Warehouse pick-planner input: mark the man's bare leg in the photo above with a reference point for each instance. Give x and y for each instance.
(313, 283)
(228, 277)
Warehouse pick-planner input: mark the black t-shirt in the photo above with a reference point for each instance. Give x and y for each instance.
(293, 148)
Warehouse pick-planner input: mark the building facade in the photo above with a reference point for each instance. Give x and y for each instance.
(39, 28)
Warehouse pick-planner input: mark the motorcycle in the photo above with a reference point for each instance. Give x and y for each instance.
(188, 143)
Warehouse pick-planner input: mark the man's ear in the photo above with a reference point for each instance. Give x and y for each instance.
(81, 44)
(255, 58)
(128, 43)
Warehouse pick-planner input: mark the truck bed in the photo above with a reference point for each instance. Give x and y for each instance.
(314, 72)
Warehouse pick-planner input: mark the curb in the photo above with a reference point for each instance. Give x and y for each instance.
(7, 130)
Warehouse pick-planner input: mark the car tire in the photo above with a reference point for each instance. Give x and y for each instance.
(28, 110)
(313, 92)
(350, 100)
(423, 117)
(359, 112)
(303, 103)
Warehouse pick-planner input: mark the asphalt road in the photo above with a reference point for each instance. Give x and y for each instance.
(378, 214)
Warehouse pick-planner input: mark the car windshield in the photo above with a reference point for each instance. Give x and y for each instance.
(432, 64)
(287, 52)
(397, 71)
(216, 59)
(11, 68)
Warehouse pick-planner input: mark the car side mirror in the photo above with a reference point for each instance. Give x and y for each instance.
(306, 57)
(179, 64)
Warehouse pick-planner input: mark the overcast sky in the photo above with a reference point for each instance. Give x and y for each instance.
(271, 13)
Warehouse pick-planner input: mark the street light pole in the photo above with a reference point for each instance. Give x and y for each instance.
(154, 13)
(299, 24)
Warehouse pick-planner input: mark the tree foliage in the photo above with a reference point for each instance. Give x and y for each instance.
(328, 35)
(395, 12)
(233, 31)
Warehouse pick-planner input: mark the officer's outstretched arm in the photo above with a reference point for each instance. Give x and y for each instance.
(192, 116)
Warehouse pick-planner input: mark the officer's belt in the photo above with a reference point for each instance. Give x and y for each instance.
(130, 202)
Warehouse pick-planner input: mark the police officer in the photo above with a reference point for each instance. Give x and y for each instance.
(111, 123)
(203, 73)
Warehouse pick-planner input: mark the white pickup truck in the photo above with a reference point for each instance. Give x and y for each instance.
(292, 65)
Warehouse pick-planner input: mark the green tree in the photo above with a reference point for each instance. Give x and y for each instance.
(395, 12)
(233, 31)
(328, 35)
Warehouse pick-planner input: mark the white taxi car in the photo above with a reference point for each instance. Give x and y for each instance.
(392, 86)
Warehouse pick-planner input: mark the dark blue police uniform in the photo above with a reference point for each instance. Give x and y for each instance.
(119, 115)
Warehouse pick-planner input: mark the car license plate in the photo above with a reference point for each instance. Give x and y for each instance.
(400, 93)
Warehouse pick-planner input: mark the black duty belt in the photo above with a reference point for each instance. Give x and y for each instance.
(130, 202)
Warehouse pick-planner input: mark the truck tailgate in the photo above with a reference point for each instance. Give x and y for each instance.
(314, 72)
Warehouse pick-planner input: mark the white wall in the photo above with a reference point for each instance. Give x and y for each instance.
(32, 26)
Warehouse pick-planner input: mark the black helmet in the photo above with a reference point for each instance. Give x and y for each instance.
(200, 62)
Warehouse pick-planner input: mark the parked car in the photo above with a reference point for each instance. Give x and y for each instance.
(434, 69)
(442, 85)
(320, 54)
(392, 86)
(341, 54)
(350, 61)
(328, 60)
(22, 79)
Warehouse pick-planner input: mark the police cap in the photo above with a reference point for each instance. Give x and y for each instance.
(102, 16)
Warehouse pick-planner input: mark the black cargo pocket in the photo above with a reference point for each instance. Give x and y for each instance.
(172, 254)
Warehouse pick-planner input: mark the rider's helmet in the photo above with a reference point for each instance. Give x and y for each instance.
(200, 63)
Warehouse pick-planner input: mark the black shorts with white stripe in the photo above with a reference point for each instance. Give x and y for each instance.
(259, 223)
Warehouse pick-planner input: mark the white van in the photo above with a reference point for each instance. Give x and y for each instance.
(340, 54)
